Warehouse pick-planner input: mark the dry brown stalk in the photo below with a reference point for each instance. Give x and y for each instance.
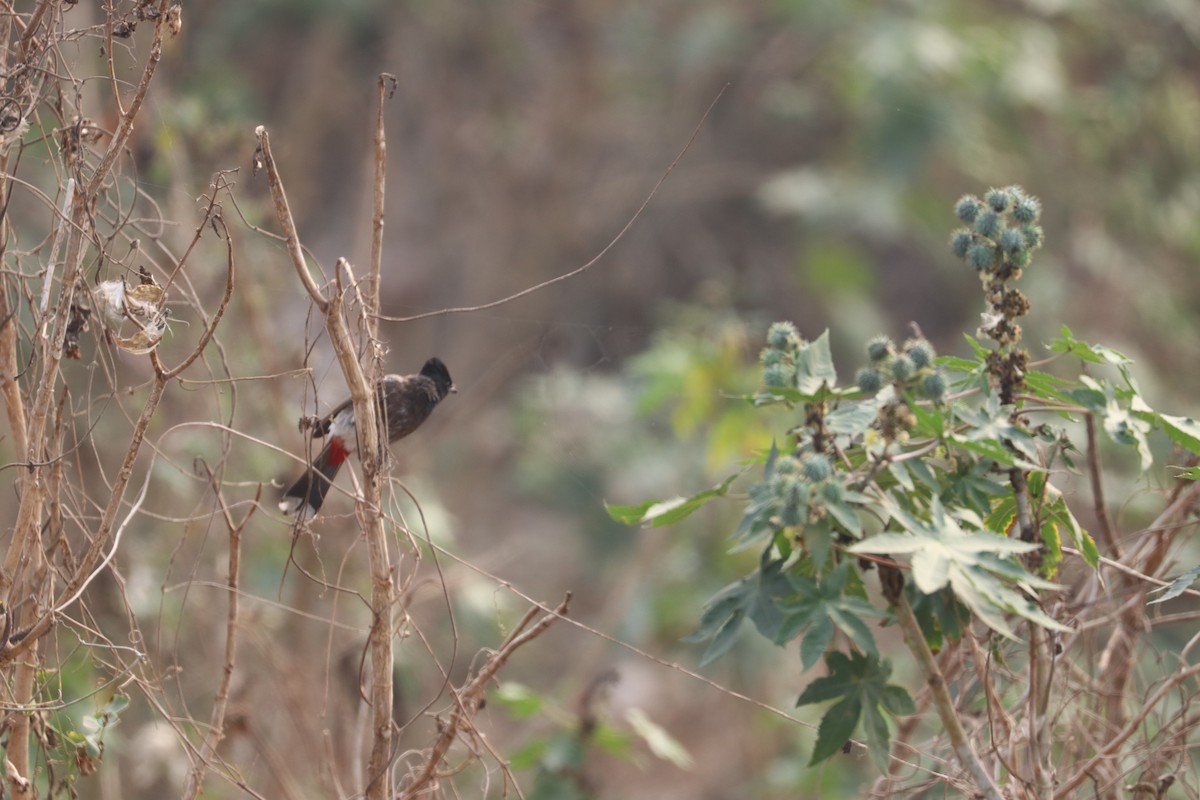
(469, 698)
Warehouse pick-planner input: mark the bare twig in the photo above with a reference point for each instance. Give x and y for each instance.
(221, 698)
(1110, 748)
(283, 213)
(470, 697)
(596, 258)
(387, 87)
(369, 501)
(85, 569)
(1107, 531)
(211, 329)
(370, 518)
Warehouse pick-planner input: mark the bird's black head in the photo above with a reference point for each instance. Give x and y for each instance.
(436, 371)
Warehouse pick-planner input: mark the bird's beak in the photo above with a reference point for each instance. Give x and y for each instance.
(453, 389)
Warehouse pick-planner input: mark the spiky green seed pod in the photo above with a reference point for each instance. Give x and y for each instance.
(879, 348)
(967, 208)
(961, 242)
(902, 368)
(782, 335)
(1012, 241)
(833, 492)
(779, 376)
(786, 465)
(920, 352)
(793, 494)
(1027, 210)
(988, 224)
(1021, 258)
(869, 379)
(1033, 236)
(933, 386)
(770, 356)
(998, 200)
(817, 468)
(981, 256)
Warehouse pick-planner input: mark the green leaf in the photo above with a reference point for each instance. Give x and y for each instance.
(1177, 587)
(1183, 431)
(820, 604)
(1091, 353)
(723, 638)
(852, 419)
(956, 364)
(993, 434)
(975, 565)
(846, 516)
(754, 597)
(1125, 427)
(814, 642)
(1055, 510)
(814, 366)
(836, 728)
(877, 736)
(1187, 473)
(931, 424)
(657, 513)
(612, 740)
(818, 540)
(861, 683)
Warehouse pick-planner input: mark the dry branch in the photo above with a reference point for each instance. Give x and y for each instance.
(283, 213)
(368, 502)
(468, 699)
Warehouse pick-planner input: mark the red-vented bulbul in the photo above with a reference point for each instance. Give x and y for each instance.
(403, 402)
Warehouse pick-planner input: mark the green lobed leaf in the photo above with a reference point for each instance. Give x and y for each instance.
(819, 605)
(877, 736)
(814, 642)
(836, 728)
(860, 681)
(975, 564)
(756, 597)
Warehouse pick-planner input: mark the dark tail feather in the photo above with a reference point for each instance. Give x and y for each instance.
(305, 496)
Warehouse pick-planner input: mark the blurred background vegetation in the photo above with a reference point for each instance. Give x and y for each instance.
(522, 137)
